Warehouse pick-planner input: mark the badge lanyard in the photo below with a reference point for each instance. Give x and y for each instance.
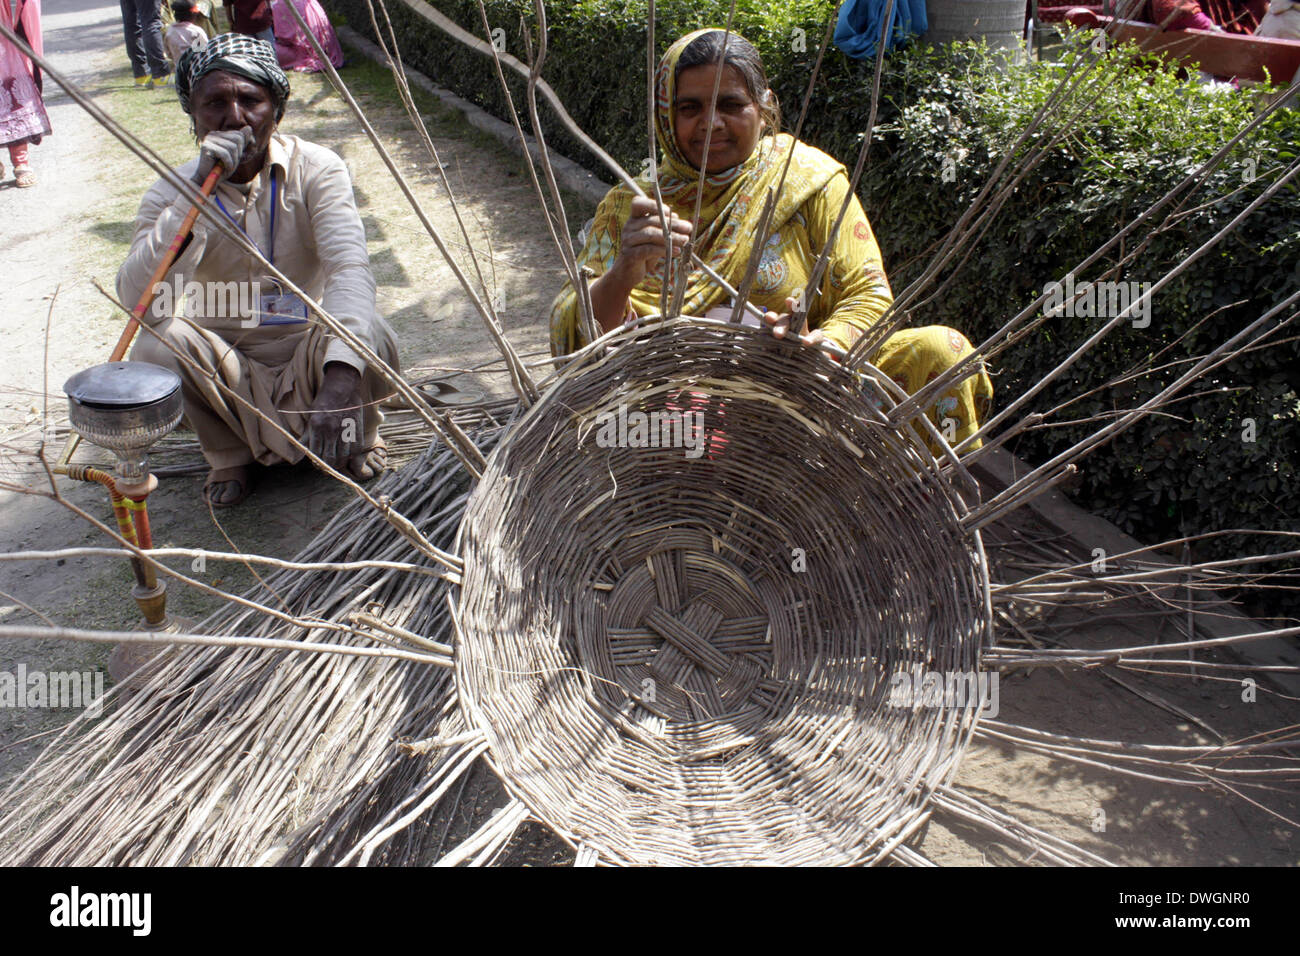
(280, 308)
(271, 251)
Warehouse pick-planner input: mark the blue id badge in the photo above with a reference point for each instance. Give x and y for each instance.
(282, 308)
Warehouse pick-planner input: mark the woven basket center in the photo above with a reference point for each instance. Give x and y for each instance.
(688, 637)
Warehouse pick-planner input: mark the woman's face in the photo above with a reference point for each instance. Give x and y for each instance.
(736, 124)
(223, 101)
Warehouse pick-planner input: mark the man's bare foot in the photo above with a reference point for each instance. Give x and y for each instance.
(369, 463)
(226, 487)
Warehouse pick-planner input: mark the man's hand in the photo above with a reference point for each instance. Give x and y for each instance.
(334, 427)
(225, 147)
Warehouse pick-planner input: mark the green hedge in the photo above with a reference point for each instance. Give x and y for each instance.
(1183, 473)
(1187, 472)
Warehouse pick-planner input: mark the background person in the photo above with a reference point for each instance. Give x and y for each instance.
(142, 29)
(252, 18)
(292, 45)
(294, 200)
(1282, 22)
(1222, 16)
(185, 32)
(626, 245)
(23, 120)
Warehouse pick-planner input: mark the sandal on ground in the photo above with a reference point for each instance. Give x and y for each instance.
(241, 474)
(24, 177)
(361, 469)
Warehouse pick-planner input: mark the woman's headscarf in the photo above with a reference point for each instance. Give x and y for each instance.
(729, 213)
(236, 53)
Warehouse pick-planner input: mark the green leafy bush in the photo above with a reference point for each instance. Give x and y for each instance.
(1224, 456)
(947, 117)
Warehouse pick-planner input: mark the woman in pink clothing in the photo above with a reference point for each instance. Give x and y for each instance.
(23, 120)
(292, 48)
(1221, 16)
(185, 32)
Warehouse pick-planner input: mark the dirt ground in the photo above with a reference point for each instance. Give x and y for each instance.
(74, 227)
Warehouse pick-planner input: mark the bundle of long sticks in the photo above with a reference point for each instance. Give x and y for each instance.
(319, 748)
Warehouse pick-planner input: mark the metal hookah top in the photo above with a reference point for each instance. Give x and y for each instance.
(125, 407)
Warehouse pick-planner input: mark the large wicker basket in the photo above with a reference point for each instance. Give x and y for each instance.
(691, 653)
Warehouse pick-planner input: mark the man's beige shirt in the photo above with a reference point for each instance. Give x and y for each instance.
(320, 244)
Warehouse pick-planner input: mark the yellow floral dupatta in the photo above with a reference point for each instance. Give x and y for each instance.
(729, 213)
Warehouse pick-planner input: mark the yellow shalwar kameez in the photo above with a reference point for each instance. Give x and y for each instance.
(854, 292)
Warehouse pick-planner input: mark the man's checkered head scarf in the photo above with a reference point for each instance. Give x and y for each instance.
(236, 53)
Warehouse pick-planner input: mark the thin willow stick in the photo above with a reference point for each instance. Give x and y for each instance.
(163, 569)
(987, 348)
(800, 317)
(445, 429)
(765, 223)
(1108, 432)
(32, 632)
(489, 319)
(709, 113)
(239, 557)
(568, 259)
(544, 156)
(1018, 657)
(402, 524)
(453, 30)
(520, 380)
(653, 144)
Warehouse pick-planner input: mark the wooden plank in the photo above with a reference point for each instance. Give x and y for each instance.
(1219, 54)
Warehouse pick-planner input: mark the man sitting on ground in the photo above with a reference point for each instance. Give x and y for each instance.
(293, 199)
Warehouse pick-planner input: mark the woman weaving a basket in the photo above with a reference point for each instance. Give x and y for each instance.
(626, 247)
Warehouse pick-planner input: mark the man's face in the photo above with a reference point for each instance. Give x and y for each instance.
(224, 102)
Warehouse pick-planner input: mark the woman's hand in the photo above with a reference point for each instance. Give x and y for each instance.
(780, 325)
(643, 243)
